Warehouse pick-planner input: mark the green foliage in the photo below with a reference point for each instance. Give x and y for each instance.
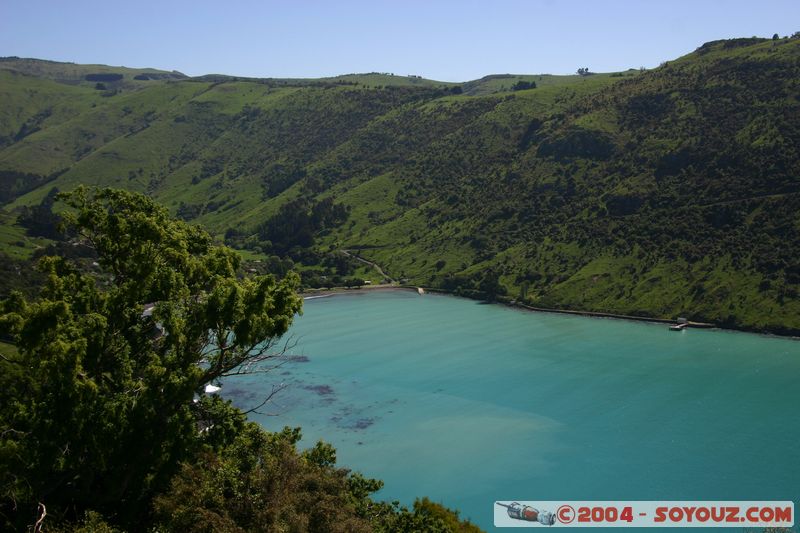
(93, 522)
(105, 77)
(523, 85)
(630, 171)
(40, 221)
(17, 275)
(71, 73)
(261, 483)
(297, 223)
(97, 406)
(431, 512)
(13, 184)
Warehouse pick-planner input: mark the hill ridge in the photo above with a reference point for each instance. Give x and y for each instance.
(657, 193)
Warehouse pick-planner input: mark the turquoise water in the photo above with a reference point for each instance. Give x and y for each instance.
(470, 403)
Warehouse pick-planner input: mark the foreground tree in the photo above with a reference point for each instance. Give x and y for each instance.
(97, 409)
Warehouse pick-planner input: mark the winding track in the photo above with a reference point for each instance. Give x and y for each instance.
(373, 265)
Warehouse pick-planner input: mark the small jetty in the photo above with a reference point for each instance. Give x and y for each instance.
(317, 296)
(680, 325)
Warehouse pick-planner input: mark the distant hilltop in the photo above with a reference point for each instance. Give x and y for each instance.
(72, 72)
(65, 72)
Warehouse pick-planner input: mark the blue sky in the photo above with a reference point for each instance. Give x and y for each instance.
(444, 40)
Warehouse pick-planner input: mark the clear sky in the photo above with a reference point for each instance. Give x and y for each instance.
(446, 40)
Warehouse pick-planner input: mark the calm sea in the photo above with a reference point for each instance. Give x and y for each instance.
(470, 403)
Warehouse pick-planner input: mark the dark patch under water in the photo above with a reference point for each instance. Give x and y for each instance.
(359, 423)
(363, 423)
(238, 393)
(322, 390)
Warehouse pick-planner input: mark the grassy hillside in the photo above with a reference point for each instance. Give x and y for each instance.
(497, 83)
(384, 79)
(660, 193)
(86, 75)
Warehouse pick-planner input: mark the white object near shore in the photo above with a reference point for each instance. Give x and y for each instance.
(212, 389)
(420, 290)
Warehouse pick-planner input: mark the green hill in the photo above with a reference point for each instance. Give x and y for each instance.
(86, 75)
(660, 193)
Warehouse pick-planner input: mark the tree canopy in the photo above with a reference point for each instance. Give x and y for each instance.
(98, 407)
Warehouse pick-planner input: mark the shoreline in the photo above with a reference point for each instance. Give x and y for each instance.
(324, 293)
(311, 294)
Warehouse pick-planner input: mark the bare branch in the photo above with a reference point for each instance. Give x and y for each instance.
(12, 430)
(249, 360)
(7, 360)
(37, 528)
(275, 390)
(253, 361)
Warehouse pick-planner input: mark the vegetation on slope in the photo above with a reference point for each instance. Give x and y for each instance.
(104, 419)
(89, 75)
(660, 193)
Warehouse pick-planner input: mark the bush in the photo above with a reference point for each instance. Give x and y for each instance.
(103, 76)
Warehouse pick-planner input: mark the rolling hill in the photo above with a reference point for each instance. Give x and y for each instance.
(674, 191)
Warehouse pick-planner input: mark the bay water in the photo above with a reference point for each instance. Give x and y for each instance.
(469, 403)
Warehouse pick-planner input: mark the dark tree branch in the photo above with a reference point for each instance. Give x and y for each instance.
(37, 527)
(275, 390)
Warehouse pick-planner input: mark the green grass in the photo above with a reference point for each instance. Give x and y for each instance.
(15, 242)
(505, 82)
(249, 255)
(75, 74)
(38, 103)
(374, 79)
(610, 192)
